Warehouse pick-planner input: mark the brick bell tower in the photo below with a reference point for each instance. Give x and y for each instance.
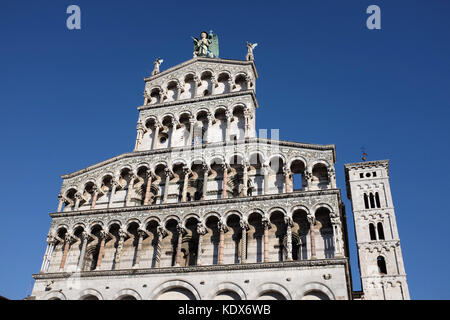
(382, 271)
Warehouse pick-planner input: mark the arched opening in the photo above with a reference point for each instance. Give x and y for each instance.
(320, 177)
(255, 175)
(380, 231)
(177, 293)
(189, 247)
(189, 87)
(150, 245)
(298, 169)
(69, 201)
(232, 248)
(271, 295)
(315, 295)
(277, 233)
(325, 248)
(155, 96)
(276, 176)
(372, 232)
(126, 297)
(366, 201)
(227, 295)
(89, 297)
(241, 83)
(169, 244)
(377, 200)
(217, 175)
(237, 126)
(219, 129)
(236, 176)
(381, 263)
(92, 249)
(300, 235)
(223, 83)
(172, 91)
(160, 182)
(255, 235)
(372, 200)
(205, 89)
(210, 241)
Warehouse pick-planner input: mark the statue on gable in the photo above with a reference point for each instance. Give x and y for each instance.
(207, 45)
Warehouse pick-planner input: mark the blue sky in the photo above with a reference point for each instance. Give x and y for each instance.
(68, 100)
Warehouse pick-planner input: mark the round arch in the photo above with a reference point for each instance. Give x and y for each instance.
(229, 286)
(174, 284)
(314, 287)
(90, 292)
(127, 292)
(272, 287)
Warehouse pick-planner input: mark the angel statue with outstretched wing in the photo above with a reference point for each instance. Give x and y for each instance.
(250, 48)
(207, 45)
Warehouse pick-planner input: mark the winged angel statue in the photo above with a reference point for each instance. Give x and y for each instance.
(207, 45)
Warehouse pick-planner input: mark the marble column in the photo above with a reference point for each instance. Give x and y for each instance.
(78, 198)
(222, 229)
(208, 130)
(84, 241)
(266, 225)
(60, 202)
(245, 179)
(156, 136)
(122, 235)
(148, 188)
(67, 240)
(337, 235)
(48, 252)
(225, 180)
(307, 176)
(191, 131)
(227, 131)
(312, 222)
(244, 227)
(186, 172)
(287, 179)
(332, 178)
(246, 124)
(289, 224)
(100, 251)
(113, 191)
(140, 134)
(166, 185)
(181, 231)
(201, 231)
(94, 197)
(205, 182)
(141, 234)
(130, 190)
(161, 234)
(266, 178)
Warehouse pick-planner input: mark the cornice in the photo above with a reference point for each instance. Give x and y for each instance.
(294, 194)
(204, 268)
(367, 164)
(211, 145)
(202, 59)
(200, 99)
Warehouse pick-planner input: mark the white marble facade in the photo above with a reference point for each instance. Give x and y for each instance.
(202, 208)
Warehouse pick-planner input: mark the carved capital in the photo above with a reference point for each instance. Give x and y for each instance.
(222, 226)
(201, 229)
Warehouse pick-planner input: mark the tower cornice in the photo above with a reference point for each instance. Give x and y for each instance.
(202, 59)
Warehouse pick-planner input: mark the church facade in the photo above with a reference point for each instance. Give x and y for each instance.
(203, 208)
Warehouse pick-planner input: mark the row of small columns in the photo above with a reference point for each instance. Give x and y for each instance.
(201, 230)
(141, 129)
(187, 172)
(197, 83)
